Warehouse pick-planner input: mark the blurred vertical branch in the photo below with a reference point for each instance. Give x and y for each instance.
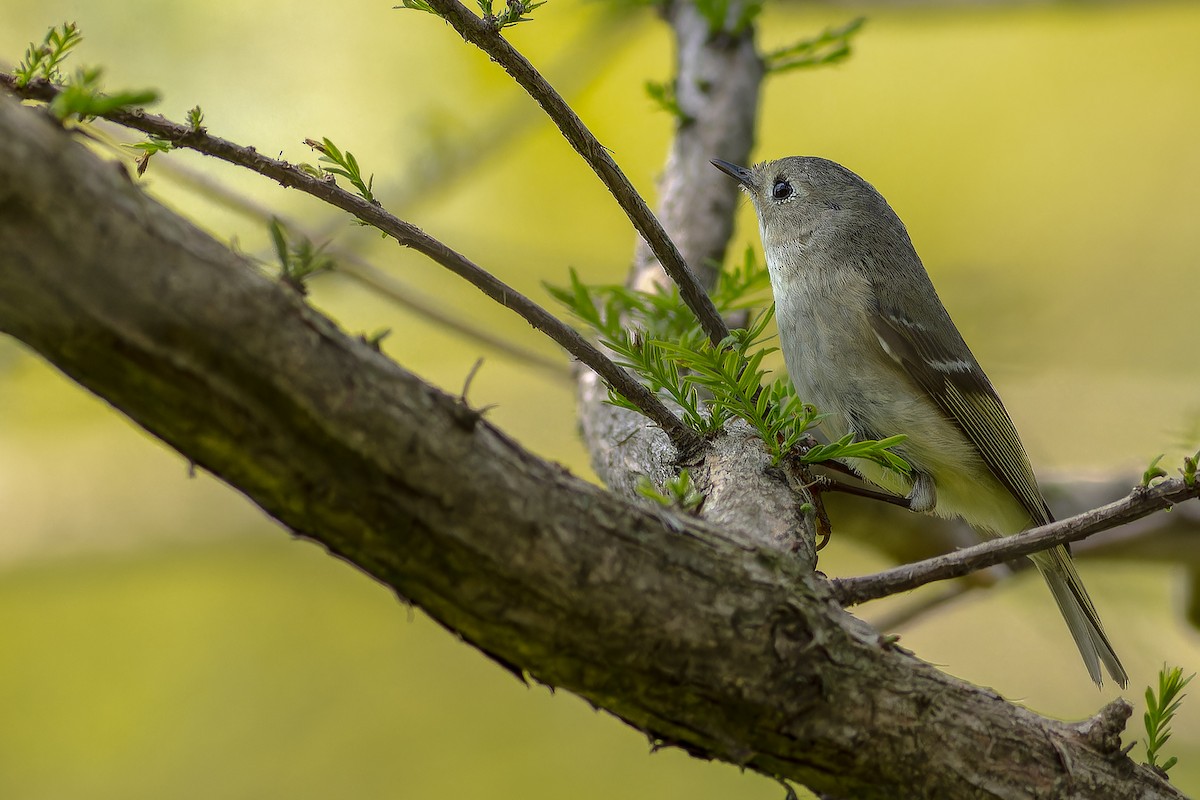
(718, 75)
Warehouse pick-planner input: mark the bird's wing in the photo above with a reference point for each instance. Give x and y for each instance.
(949, 373)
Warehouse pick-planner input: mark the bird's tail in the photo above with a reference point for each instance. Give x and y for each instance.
(1077, 609)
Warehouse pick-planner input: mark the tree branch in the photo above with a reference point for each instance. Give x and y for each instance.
(1139, 503)
(408, 235)
(477, 32)
(689, 634)
(717, 82)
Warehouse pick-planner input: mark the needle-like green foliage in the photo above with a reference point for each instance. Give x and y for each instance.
(654, 335)
(1160, 711)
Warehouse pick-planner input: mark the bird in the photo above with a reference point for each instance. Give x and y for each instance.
(866, 339)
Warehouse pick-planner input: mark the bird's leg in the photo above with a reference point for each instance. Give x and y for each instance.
(802, 482)
(923, 497)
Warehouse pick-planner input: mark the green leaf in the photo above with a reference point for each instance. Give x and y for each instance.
(43, 60)
(1189, 469)
(1160, 711)
(299, 262)
(513, 14)
(81, 97)
(418, 5)
(279, 239)
(345, 165)
(195, 118)
(149, 148)
(828, 47)
(663, 95)
(1153, 471)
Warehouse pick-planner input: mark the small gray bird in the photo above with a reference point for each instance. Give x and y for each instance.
(866, 340)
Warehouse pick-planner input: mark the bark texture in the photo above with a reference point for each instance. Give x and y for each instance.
(725, 647)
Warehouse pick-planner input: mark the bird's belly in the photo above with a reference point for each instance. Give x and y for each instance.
(839, 366)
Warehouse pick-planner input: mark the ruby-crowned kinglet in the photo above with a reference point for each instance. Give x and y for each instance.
(866, 340)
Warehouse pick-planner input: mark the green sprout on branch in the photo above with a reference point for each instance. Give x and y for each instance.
(147, 149)
(298, 262)
(80, 95)
(195, 119)
(1160, 711)
(156, 144)
(1153, 472)
(418, 5)
(43, 60)
(344, 164)
(828, 47)
(514, 12)
(678, 492)
(654, 335)
(1188, 470)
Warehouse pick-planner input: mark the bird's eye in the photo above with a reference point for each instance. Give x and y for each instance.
(782, 190)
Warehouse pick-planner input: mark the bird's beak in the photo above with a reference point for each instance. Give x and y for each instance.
(740, 174)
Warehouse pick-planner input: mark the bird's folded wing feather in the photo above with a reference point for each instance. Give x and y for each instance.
(949, 373)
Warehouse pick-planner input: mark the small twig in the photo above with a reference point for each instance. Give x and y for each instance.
(1139, 503)
(477, 32)
(470, 379)
(408, 235)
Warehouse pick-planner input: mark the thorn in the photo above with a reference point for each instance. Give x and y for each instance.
(470, 378)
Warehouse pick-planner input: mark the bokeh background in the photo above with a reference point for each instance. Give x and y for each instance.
(159, 637)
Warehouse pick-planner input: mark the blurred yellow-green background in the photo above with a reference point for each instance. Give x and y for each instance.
(160, 638)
